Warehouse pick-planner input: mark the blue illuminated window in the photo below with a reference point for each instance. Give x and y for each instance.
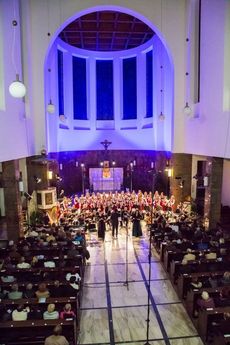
(60, 83)
(79, 89)
(104, 82)
(129, 89)
(149, 84)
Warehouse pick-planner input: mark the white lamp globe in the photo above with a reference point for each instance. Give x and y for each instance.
(17, 89)
(161, 116)
(187, 110)
(50, 108)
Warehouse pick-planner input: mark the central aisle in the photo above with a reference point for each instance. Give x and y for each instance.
(113, 314)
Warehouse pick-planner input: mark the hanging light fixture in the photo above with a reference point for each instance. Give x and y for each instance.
(187, 109)
(162, 116)
(17, 89)
(50, 106)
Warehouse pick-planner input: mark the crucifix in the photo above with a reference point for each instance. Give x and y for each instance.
(106, 144)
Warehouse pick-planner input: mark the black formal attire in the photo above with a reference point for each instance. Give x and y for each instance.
(114, 221)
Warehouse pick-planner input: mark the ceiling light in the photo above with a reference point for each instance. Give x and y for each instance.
(161, 117)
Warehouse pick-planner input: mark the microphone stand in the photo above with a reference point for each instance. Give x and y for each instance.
(150, 263)
(126, 283)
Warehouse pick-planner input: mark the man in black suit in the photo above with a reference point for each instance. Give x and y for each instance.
(114, 221)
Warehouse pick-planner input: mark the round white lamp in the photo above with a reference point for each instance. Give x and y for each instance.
(161, 116)
(50, 108)
(187, 110)
(17, 89)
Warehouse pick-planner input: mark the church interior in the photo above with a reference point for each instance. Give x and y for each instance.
(115, 197)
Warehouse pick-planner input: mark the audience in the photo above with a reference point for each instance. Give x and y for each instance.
(56, 337)
(51, 313)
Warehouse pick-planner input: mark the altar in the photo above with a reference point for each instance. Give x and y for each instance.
(111, 181)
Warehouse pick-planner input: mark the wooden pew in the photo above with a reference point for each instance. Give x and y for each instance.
(185, 279)
(207, 317)
(31, 332)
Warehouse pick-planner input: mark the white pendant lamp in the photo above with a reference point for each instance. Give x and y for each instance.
(50, 107)
(17, 89)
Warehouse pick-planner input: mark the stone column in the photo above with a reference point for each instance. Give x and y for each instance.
(13, 204)
(213, 182)
(180, 182)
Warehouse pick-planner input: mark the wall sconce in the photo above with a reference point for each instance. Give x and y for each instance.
(113, 163)
(101, 164)
(168, 169)
(49, 174)
(82, 165)
(37, 179)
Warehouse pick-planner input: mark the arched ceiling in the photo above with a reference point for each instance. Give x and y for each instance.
(106, 31)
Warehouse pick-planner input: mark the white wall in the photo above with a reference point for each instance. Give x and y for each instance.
(209, 133)
(225, 197)
(36, 42)
(205, 135)
(13, 131)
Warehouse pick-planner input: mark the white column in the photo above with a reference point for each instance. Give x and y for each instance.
(91, 92)
(117, 91)
(141, 88)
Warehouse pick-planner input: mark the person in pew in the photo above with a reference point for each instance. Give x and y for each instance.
(21, 313)
(224, 298)
(71, 288)
(189, 256)
(57, 289)
(42, 291)
(211, 255)
(226, 278)
(14, 293)
(29, 291)
(8, 278)
(56, 337)
(213, 280)
(72, 251)
(225, 324)
(195, 283)
(67, 312)
(23, 264)
(205, 301)
(51, 313)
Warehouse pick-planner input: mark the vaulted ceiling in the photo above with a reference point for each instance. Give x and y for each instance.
(106, 31)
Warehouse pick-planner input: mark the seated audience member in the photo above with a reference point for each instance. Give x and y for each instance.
(8, 279)
(42, 291)
(49, 263)
(2, 293)
(205, 301)
(56, 337)
(195, 283)
(51, 313)
(211, 255)
(225, 324)
(226, 278)
(57, 289)
(73, 251)
(29, 291)
(189, 256)
(23, 264)
(21, 313)
(14, 293)
(13, 254)
(76, 275)
(67, 312)
(72, 288)
(224, 297)
(213, 280)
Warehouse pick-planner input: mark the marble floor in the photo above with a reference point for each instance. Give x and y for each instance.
(115, 297)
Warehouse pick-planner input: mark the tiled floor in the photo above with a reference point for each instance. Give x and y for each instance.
(114, 312)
